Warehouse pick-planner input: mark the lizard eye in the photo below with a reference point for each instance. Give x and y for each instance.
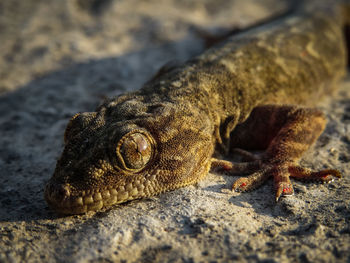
(134, 150)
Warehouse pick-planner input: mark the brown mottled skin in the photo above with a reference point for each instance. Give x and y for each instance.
(166, 135)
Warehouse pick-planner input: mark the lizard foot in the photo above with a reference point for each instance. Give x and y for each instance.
(259, 171)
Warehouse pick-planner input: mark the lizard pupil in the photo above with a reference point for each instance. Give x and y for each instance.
(135, 151)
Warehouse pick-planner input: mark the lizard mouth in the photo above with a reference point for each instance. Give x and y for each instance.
(62, 198)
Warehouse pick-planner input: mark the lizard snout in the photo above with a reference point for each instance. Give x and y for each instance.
(56, 195)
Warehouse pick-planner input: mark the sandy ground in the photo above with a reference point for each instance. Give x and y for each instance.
(59, 57)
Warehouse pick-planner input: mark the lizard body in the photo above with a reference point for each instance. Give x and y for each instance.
(165, 135)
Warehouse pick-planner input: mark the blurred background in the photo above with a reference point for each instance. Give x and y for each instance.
(38, 37)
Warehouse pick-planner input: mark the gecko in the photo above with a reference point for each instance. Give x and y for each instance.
(254, 91)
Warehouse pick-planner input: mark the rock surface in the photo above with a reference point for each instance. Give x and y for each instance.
(59, 57)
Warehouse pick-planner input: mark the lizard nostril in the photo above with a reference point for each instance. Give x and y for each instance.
(63, 191)
(58, 192)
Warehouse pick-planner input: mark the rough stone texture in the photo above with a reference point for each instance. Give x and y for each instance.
(61, 57)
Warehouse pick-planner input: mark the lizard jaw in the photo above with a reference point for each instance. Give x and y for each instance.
(60, 198)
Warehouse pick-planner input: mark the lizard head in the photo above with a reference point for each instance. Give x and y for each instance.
(128, 149)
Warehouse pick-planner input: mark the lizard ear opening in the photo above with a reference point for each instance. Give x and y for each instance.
(135, 150)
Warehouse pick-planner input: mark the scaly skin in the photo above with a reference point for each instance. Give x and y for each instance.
(165, 135)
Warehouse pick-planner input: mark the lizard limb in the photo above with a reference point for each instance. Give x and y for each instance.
(285, 132)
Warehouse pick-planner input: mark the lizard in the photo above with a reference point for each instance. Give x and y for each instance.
(254, 91)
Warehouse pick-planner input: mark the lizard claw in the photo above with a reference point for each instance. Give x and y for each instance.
(241, 185)
(284, 189)
(250, 182)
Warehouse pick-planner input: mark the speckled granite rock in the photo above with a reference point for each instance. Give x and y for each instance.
(61, 57)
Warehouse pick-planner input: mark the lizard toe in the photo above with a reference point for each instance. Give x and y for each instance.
(284, 189)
